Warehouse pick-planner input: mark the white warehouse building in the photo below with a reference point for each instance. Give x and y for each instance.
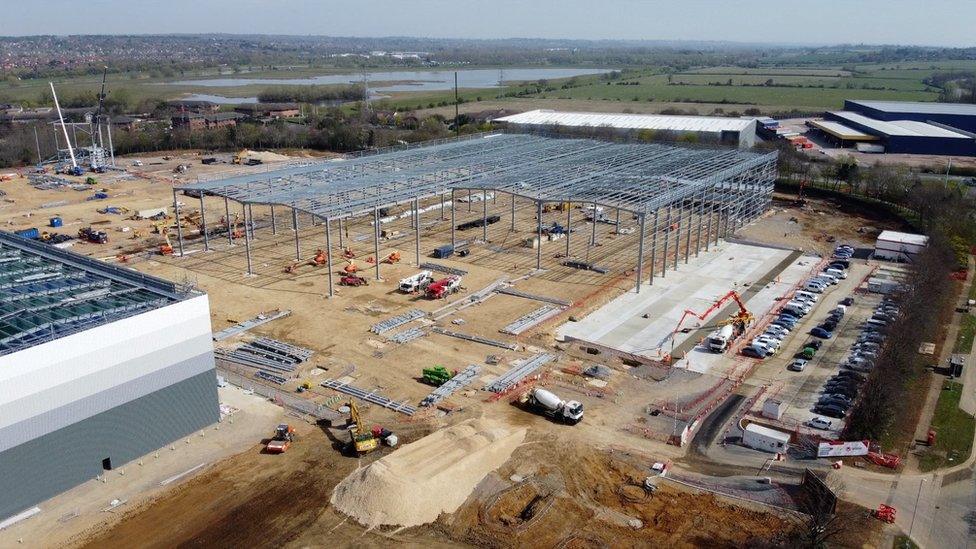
(99, 365)
(740, 132)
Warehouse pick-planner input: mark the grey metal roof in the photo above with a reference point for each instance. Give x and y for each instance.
(47, 293)
(899, 128)
(636, 177)
(922, 107)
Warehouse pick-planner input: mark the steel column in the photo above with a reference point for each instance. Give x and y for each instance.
(667, 238)
(250, 222)
(654, 229)
(294, 223)
(640, 250)
(513, 211)
(688, 234)
(701, 214)
(179, 226)
(203, 225)
(469, 200)
(484, 216)
(442, 207)
(247, 244)
(569, 223)
(593, 228)
(617, 226)
(328, 252)
(274, 222)
(230, 230)
(453, 226)
(376, 239)
(341, 244)
(677, 238)
(416, 230)
(538, 250)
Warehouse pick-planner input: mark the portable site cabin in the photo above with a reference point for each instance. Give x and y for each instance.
(763, 438)
(896, 246)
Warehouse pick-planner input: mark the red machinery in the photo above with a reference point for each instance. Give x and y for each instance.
(743, 317)
(321, 258)
(885, 513)
(353, 280)
(891, 461)
(443, 287)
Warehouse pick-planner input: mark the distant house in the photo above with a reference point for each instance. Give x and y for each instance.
(201, 107)
(124, 122)
(194, 122)
(269, 110)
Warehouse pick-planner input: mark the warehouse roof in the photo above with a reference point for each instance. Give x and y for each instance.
(841, 131)
(636, 177)
(922, 107)
(711, 124)
(899, 128)
(47, 293)
(904, 238)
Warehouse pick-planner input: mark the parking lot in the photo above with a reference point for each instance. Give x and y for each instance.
(800, 391)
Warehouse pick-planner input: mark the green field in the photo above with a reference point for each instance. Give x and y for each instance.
(954, 431)
(805, 87)
(967, 330)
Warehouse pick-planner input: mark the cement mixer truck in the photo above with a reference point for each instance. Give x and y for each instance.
(566, 411)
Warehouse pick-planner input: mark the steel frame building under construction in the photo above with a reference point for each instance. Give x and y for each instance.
(674, 193)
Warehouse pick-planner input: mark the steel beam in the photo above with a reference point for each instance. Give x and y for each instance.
(453, 225)
(179, 225)
(294, 225)
(484, 216)
(247, 244)
(376, 239)
(569, 224)
(538, 250)
(328, 253)
(230, 229)
(640, 251)
(416, 231)
(203, 224)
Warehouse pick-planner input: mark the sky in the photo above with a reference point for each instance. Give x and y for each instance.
(909, 22)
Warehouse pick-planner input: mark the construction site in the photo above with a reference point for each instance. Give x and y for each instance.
(501, 339)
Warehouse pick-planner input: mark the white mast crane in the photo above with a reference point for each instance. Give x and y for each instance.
(74, 163)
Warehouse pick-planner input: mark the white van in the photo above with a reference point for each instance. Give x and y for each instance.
(829, 278)
(837, 273)
(815, 287)
(808, 295)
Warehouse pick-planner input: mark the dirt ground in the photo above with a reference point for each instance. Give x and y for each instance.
(549, 494)
(578, 495)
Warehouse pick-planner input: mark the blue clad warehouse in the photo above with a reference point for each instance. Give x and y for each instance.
(906, 126)
(99, 365)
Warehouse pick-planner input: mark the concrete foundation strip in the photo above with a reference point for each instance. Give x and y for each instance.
(518, 373)
(370, 397)
(525, 322)
(476, 339)
(397, 321)
(248, 324)
(459, 381)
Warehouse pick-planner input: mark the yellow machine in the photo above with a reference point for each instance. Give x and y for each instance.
(362, 440)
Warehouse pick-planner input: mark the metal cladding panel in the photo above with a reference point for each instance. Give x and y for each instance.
(182, 328)
(46, 466)
(20, 423)
(110, 380)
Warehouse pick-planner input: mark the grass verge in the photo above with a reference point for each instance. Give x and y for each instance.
(903, 542)
(967, 330)
(954, 431)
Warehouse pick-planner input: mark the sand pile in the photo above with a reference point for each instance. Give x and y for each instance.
(433, 475)
(266, 156)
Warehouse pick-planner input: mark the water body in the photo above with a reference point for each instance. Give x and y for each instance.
(402, 81)
(219, 99)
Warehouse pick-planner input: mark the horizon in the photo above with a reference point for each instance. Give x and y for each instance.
(759, 22)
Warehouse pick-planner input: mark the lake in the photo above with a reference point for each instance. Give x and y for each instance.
(404, 81)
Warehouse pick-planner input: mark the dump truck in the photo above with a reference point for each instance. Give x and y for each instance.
(566, 411)
(281, 440)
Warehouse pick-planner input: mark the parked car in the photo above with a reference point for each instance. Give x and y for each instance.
(847, 301)
(821, 333)
(797, 365)
(815, 343)
(806, 352)
(754, 352)
(830, 412)
(820, 423)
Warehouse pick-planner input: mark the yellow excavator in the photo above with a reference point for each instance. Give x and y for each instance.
(363, 440)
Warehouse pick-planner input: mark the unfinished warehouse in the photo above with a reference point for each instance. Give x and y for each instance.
(515, 201)
(98, 365)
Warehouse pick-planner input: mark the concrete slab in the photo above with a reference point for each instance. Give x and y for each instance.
(621, 324)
